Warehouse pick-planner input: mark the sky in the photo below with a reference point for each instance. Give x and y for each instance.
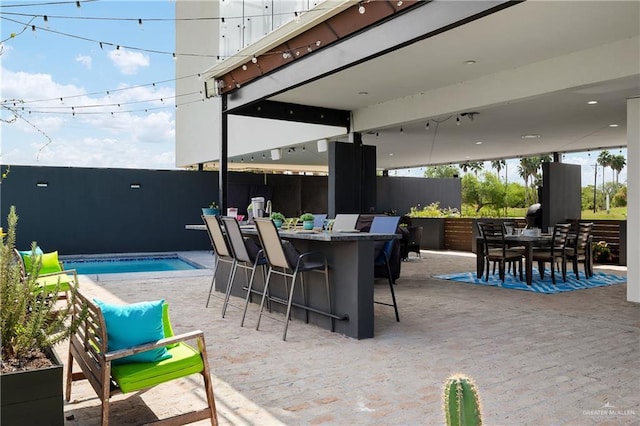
(88, 103)
(118, 105)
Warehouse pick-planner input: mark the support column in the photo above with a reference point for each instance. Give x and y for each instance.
(633, 199)
(352, 177)
(223, 173)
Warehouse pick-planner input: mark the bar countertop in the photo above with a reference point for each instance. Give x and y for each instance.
(312, 235)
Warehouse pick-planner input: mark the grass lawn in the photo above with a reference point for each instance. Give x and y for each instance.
(616, 213)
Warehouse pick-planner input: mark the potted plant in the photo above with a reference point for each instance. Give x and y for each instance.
(277, 218)
(212, 210)
(30, 323)
(307, 221)
(601, 252)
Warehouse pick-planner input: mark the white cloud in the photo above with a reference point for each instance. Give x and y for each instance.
(84, 60)
(128, 62)
(124, 139)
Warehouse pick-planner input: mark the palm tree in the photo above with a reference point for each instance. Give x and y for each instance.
(499, 165)
(617, 163)
(604, 159)
(474, 166)
(529, 168)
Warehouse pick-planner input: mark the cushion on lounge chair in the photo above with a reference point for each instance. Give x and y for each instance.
(134, 324)
(49, 265)
(184, 360)
(49, 283)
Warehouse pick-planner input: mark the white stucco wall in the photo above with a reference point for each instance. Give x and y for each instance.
(633, 199)
(195, 137)
(198, 124)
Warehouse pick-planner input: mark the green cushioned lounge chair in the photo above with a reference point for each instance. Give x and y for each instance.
(88, 348)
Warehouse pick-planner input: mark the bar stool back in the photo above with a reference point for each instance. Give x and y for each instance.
(285, 260)
(248, 256)
(221, 249)
(386, 225)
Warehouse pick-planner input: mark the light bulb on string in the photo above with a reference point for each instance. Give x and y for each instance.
(140, 22)
(458, 120)
(254, 60)
(101, 47)
(174, 56)
(33, 28)
(427, 126)
(77, 4)
(361, 9)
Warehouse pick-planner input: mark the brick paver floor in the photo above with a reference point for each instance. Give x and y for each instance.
(538, 359)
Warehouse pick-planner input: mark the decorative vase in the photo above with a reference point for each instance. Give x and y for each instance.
(307, 224)
(278, 223)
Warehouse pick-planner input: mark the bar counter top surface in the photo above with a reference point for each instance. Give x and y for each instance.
(313, 235)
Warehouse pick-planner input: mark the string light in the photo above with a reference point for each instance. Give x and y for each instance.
(458, 120)
(78, 4)
(361, 8)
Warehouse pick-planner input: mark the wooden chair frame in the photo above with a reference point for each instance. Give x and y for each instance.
(88, 348)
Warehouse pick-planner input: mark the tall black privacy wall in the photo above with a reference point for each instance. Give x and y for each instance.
(90, 210)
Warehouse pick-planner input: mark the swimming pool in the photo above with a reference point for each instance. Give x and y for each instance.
(119, 265)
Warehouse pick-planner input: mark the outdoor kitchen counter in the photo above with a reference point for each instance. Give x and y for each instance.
(351, 264)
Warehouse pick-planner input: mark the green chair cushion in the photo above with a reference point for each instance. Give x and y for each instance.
(49, 262)
(134, 324)
(185, 360)
(50, 284)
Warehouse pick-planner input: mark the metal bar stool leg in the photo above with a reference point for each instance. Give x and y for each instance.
(289, 302)
(227, 293)
(264, 294)
(213, 280)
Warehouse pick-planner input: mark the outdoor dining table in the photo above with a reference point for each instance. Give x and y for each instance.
(351, 263)
(526, 241)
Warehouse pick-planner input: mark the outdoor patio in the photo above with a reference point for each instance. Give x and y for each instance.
(569, 358)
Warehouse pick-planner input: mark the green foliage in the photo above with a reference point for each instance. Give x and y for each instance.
(441, 172)
(461, 401)
(29, 318)
(620, 197)
(306, 216)
(277, 216)
(433, 210)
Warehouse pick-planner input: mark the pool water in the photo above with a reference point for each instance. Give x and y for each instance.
(128, 264)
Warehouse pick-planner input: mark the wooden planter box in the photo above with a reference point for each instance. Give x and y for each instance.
(33, 397)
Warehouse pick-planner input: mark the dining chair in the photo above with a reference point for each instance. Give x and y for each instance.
(383, 250)
(496, 249)
(248, 255)
(344, 222)
(580, 250)
(284, 260)
(555, 253)
(221, 251)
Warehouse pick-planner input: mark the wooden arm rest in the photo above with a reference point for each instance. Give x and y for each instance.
(64, 272)
(121, 353)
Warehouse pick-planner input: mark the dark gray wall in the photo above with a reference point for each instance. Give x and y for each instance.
(90, 210)
(561, 193)
(402, 193)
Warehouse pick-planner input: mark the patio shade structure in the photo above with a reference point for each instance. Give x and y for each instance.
(446, 82)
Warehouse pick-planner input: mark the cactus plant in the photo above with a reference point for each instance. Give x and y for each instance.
(461, 401)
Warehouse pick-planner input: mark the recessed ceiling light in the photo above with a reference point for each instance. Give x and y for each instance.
(470, 62)
(613, 125)
(479, 143)
(391, 154)
(363, 93)
(592, 102)
(531, 136)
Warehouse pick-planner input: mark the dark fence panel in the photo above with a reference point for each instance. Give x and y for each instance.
(93, 210)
